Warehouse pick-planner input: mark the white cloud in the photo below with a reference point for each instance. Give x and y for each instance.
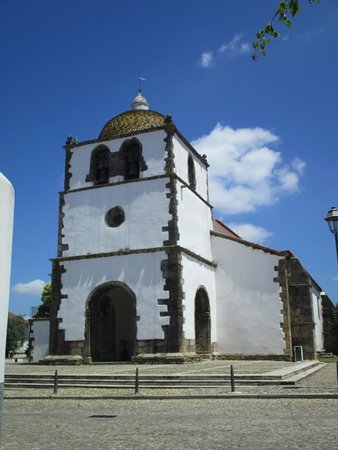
(31, 288)
(251, 232)
(335, 278)
(306, 36)
(236, 46)
(298, 165)
(206, 59)
(245, 172)
(310, 35)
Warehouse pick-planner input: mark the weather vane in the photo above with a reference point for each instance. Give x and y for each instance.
(139, 81)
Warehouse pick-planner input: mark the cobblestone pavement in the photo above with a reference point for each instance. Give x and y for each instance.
(260, 424)
(324, 380)
(202, 367)
(170, 424)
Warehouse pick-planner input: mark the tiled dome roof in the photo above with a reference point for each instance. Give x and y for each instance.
(131, 122)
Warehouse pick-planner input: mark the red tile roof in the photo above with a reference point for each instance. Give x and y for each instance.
(219, 227)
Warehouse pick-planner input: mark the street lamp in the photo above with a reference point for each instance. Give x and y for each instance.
(332, 220)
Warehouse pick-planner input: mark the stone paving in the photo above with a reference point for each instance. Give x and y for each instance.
(128, 368)
(296, 423)
(170, 424)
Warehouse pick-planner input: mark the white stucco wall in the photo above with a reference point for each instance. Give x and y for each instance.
(317, 319)
(181, 152)
(146, 209)
(194, 222)
(248, 302)
(153, 152)
(40, 334)
(141, 272)
(6, 234)
(195, 275)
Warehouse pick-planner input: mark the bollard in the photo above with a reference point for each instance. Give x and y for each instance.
(137, 381)
(56, 382)
(232, 378)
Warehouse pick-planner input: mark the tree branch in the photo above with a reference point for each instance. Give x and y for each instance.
(285, 13)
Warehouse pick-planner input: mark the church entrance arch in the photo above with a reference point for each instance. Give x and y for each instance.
(111, 323)
(202, 321)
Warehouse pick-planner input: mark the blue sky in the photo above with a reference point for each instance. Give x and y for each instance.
(269, 128)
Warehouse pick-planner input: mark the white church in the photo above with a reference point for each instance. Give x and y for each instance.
(144, 273)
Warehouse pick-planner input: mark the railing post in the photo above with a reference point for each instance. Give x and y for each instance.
(137, 381)
(56, 382)
(232, 378)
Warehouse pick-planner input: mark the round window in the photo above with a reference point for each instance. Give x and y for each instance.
(115, 217)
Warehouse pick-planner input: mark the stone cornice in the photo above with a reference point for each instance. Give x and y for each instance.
(191, 148)
(138, 180)
(193, 190)
(127, 251)
(120, 136)
(115, 183)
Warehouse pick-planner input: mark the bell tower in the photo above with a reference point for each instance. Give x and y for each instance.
(133, 242)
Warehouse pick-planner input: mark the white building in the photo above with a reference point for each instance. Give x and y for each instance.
(143, 270)
(6, 234)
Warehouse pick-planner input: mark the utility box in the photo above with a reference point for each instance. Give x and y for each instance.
(298, 353)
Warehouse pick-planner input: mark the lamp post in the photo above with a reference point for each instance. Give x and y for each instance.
(332, 220)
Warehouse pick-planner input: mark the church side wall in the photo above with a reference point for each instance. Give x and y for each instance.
(146, 209)
(181, 152)
(300, 290)
(249, 307)
(194, 222)
(152, 151)
(330, 341)
(141, 272)
(197, 274)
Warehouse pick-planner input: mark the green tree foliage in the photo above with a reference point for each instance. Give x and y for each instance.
(284, 14)
(44, 308)
(16, 332)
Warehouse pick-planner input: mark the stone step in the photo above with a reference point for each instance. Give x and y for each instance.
(287, 375)
(31, 378)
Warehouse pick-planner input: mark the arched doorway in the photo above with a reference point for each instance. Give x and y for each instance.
(202, 322)
(111, 323)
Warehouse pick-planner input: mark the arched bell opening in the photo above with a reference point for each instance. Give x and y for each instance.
(202, 322)
(132, 151)
(191, 172)
(111, 323)
(99, 165)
